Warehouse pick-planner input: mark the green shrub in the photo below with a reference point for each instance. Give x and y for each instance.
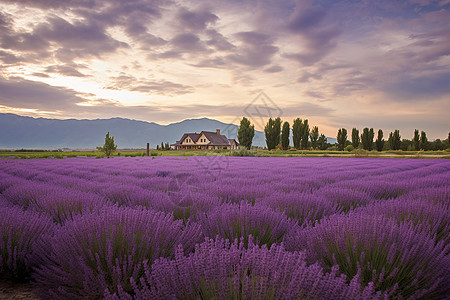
(349, 148)
(360, 153)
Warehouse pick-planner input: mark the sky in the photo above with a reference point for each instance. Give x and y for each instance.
(383, 64)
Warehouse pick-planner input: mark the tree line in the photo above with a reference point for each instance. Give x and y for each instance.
(277, 135)
(394, 142)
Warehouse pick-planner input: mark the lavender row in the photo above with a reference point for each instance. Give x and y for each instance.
(373, 227)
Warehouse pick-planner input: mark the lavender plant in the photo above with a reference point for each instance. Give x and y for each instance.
(344, 198)
(63, 204)
(24, 195)
(97, 252)
(397, 259)
(220, 270)
(233, 221)
(432, 219)
(306, 209)
(362, 214)
(19, 231)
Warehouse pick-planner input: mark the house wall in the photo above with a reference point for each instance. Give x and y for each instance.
(202, 137)
(185, 141)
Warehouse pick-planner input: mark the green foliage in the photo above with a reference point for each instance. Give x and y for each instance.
(297, 132)
(163, 147)
(360, 153)
(341, 138)
(314, 136)
(349, 148)
(394, 140)
(367, 138)
(272, 131)
(305, 135)
(300, 132)
(109, 147)
(246, 132)
(322, 142)
(285, 136)
(416, 140)
(242, 152)
(423, 141)
(355, 138)
(379, 143)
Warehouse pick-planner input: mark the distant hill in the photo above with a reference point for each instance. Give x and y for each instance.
(18, 132)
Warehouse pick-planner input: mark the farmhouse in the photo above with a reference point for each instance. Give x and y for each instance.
(205, 140)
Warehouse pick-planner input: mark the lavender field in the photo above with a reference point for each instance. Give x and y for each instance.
(227, 228)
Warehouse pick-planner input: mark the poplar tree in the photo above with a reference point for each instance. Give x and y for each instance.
(322, 142)
(341, 138)
(277, 131)
(416, 140)
(367, 138)
(423, 141)
(395, 140)
(246, 132)
(314, 136)
(285, 136)
(305, 135)
(355, 138)
(380, 141)
(272, 132)
(297, 132)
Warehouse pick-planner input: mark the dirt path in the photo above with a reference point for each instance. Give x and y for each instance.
(10, 290)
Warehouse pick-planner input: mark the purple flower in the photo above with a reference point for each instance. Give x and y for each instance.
(220, 270)
(397, 259)
(234, 221)
(97, 252)
(19, 231)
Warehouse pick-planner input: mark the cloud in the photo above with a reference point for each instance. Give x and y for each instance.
(24, 42)
(195, 20)
(317, 35)
(65, 70)
(343, 52)
(314, 94)
(9, 58)
(423, 88)
(307, 109)
(30, 45)
(218, 41)
(22, 93)
(41, 75)
(83, 39)
(307, 76)
(306, 18)
(255, 49)
(150, 87)
(214, 62)
(274, 69)
(187, 42)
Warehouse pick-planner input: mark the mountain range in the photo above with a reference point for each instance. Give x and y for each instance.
(20, 132)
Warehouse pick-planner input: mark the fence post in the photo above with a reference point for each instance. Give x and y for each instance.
(148, 149)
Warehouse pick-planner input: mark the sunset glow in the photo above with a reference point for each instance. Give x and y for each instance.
(381, 64)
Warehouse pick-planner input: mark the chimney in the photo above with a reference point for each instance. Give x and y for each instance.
(218, 131)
